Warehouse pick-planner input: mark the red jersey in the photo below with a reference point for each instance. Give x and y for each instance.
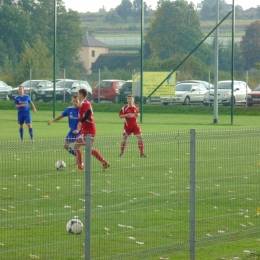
(88, 127)
(130, 122)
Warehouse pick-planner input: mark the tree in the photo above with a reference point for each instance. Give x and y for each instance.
(69, 38)
(250, 44)
(136, 8)
(174, 29)
(258, 12)
(37, 58)
(112, 17)
(124, 9)
(15, 28)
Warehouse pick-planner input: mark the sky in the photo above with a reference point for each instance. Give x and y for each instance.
(93, 6)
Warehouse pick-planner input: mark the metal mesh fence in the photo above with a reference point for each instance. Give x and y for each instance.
(140, 206)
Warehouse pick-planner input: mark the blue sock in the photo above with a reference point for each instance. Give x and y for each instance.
(21, 133)
(31, 133)
(71, 150)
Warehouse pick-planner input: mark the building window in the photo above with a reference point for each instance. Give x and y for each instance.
(93, 53)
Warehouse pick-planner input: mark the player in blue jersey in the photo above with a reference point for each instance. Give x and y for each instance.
(22, 102)
(72, 114)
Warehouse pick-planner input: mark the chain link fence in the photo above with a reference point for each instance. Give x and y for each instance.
(140, 207)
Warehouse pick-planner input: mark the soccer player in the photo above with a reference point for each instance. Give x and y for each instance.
(130, 113)
(86, 125)
(22, 102)
(72, 114)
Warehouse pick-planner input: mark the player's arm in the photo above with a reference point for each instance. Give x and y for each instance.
(17, 105)
(84, 119)
(33, 107)
(55, 119)
(122, 115)
(20, 105)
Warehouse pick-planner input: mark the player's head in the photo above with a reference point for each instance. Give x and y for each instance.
(82, 94)
(21, 90)
(130, 99)
(75, 101)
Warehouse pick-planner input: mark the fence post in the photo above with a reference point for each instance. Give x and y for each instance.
(88, 196)
(192, 193)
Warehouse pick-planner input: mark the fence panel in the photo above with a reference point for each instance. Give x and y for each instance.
(227, 185)
(37, 201)
(140, 205)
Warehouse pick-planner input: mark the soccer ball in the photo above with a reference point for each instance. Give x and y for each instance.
(74, 226)
(59, 165)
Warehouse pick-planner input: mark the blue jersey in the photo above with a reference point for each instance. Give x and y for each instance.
(25, 99)
(72, 114)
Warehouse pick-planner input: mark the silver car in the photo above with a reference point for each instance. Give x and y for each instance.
(4, 88)
(240, 90)
(186, 93)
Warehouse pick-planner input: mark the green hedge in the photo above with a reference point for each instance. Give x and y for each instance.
(147, 108)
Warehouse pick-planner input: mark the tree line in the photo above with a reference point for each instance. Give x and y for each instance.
(27, 35)
(26, 40)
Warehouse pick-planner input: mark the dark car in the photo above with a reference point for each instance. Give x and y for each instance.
(253, 97)
(66, 89)
(108, 90)
(125, 90)
(4, 88)
(34, 88)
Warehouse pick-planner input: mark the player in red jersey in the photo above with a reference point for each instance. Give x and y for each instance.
(130, 113)
(86, 126)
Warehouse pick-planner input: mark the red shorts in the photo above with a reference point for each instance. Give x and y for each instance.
(82, 138)
(136, 130)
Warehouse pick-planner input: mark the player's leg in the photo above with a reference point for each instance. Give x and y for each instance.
(21, 123)
(98, 156)
(28, 121)
(78, 143)
(123, 144)
(138, 134)
(70, 138)
(21, 130)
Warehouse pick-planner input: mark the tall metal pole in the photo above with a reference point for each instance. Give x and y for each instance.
(216, 67)
(232, 62)
(192, 193)
(88, 198)
(54, 56)
(141, 72)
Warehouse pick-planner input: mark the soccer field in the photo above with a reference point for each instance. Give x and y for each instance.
(139, 206)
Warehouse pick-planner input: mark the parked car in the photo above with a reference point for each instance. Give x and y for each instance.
(125, 90)
(186, 93)
(206, 84)
(66, 89)
(108, 90)
(224, 93)
(253, 98)
(4, 88)
(34, 88)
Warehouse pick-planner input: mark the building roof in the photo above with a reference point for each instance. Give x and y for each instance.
(113, 61)
(89, 41)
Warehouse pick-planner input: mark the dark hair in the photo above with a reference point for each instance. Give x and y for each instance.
(20, 86)
(74, 97)
(84, 92)
(130, 95)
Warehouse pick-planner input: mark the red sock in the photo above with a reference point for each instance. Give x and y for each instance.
(123, 145)
(98, 156)
(141, 147)
(78, 154)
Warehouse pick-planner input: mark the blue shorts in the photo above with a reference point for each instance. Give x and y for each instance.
(70, 138)
(24, 117)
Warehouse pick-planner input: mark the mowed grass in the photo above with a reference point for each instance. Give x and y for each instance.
(140, 207)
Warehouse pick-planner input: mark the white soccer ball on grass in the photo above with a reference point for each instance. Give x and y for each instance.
(74, 226)
(59, 165)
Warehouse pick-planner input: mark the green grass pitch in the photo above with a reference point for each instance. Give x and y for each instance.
(140, 207)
